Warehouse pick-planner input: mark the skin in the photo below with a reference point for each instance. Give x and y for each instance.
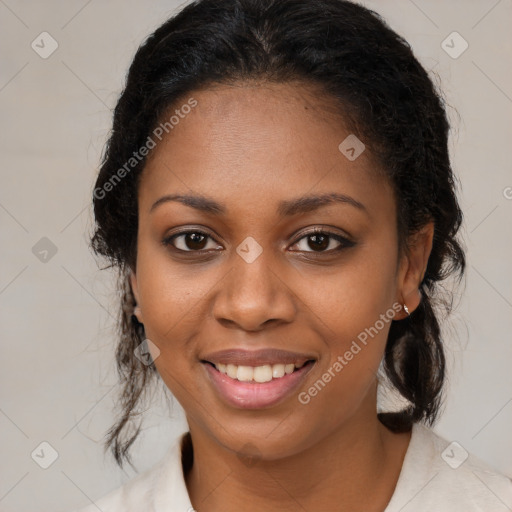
(249, 147)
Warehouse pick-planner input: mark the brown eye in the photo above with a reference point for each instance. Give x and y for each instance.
(322, 242)
(318, 242)
(191, 241)
(195, 241)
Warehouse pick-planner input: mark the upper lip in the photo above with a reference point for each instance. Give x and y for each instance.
(257, 357)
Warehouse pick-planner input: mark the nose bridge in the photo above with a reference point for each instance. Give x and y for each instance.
(252, 294)
(253, 279)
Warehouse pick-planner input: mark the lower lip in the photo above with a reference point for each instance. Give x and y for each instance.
(256, 395)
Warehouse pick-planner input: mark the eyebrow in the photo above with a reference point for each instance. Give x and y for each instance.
(198, 202)
(287, 208)
(313, 202)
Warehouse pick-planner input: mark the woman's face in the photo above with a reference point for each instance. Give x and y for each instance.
(250, 173)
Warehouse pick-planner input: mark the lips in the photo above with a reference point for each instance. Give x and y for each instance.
(258, 378)
(257, 357)
(263, 373)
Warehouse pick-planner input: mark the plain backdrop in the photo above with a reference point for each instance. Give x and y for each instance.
(57, 309)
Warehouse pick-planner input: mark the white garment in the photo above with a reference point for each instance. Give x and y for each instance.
(426, 483)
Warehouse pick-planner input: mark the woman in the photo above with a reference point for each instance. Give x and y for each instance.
(278, 198)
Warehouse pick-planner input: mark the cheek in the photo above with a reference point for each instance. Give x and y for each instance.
(168, 291)
(173, 304)
(355, 306)
(357, 292)
(172, 316)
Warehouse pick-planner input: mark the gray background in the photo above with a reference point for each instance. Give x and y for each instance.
(56, 316)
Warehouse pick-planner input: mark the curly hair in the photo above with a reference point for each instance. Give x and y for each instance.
(387, 98)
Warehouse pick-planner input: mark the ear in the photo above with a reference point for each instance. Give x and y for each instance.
(413, 266)
(135, 289)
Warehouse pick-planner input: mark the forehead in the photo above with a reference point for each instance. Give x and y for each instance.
(259, 143)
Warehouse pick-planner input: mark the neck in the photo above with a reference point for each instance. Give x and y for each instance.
(354, 468)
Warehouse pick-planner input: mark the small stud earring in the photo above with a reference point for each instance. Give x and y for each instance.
(406, 309)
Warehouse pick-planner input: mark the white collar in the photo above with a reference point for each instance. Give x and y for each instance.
(168, 491)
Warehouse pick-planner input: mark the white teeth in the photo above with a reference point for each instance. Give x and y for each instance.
(245, 373)
(278, 371)
(288, 368)
(263, 373)
(231, 370)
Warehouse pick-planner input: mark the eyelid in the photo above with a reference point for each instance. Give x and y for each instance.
(169, 238)
(344, 240)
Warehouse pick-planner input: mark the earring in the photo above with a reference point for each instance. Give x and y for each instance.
(406, 309)
(137, 312)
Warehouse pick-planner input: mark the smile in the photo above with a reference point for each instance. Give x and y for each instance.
(264, 373)
(256, 379)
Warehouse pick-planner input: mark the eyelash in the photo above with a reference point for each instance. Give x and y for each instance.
(344, 242)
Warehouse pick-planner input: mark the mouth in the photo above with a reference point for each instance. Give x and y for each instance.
(260, 374)
(256, 379)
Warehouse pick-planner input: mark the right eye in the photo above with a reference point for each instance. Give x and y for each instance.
(191, 241)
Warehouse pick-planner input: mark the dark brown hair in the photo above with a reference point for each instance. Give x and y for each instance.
(390, 103)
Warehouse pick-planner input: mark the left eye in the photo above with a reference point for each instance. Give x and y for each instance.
(321, 241)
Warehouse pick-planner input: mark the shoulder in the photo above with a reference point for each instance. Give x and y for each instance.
(134, 495)
(441, 475)
(162, 487)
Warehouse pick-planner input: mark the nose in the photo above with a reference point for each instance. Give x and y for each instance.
(253, 296)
